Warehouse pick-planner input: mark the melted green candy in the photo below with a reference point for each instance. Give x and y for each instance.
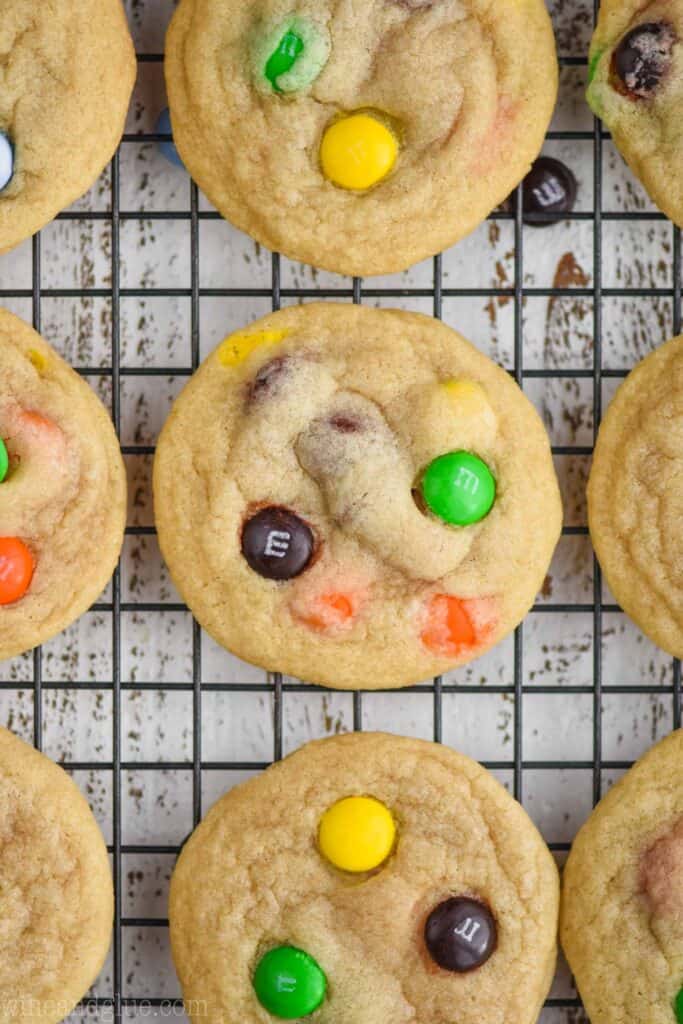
(283, 59)
(593, 64)
(287, 57)
(678, 1007)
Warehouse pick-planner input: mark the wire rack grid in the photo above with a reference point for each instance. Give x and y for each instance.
(116, 997)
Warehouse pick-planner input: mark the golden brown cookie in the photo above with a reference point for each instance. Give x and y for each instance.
(56, 894)
(355, 496)
(636, 87)
(68, 70)
(359, 139)
(635, 492)
(622, 901)
(62, 491)
(374, 878)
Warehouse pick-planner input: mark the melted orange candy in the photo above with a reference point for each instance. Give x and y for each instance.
(328, 611)
(16, 569)
(497, 139)
(30, 436)
(40, 428)
(449, 630)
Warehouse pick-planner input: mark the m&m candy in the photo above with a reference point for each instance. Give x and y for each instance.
(459, 488)
(678, 1007)
(6, 161)
(277, 544)
(237, 348)
(448, 630)
(461, 934)
(643, 59)
(327, 612)
(289, 983)
(289, 55)
(168, 147)
(357, 834)
(468, 396)
(284, 57)
(470, 404)
(549, 187)
(4, 460)
(16, 569)
(358, 151)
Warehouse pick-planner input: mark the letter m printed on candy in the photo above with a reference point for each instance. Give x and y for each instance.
(277, 543)
(467, 480)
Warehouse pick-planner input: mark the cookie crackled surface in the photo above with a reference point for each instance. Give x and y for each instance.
(622, 901)
(635, 492)
(56, 893)
(67, 71)
(355, 497)
(62, 491)
(359, 142)
(456, 921)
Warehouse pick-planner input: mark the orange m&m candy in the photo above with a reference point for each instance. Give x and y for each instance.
(16, 569)
(328, 611)
(448, 630)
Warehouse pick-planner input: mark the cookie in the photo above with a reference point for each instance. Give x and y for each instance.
(369, 878)
(634, 496)
(56, 894)
(68, 72)
(622, 902)
(355, 496)
(62, 491)
(359, 144)
(636, 88)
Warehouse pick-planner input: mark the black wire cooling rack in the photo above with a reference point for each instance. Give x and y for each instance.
(117, 1006)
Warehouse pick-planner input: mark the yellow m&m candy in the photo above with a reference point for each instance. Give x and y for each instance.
(467, 393)
(471, 402)
(358, 151)
(38, 360)
(238, 347)
(357, 833)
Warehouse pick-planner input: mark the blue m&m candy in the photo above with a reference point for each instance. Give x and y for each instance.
(168, 147)
(6, 161)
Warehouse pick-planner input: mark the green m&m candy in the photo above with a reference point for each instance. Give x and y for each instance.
(459, 488)
(678, 1007)
(287, 55)
(289, 983)
(4, 460)
(284, 57)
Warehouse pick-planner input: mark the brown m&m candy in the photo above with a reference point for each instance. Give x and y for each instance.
(549, 187)
(461, 934)
(644, 57)
(269, 378)
(277, 544)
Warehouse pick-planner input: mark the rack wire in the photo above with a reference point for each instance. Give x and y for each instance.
(117, 1005)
